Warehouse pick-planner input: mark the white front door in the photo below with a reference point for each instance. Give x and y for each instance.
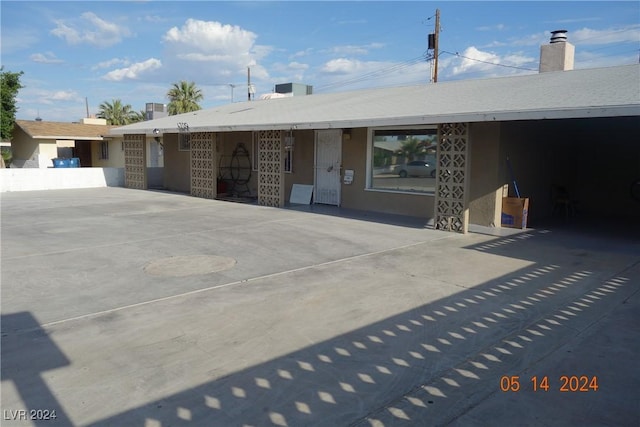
(328, 165)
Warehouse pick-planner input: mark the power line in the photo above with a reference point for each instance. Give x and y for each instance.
(373, 74)
(487, 62)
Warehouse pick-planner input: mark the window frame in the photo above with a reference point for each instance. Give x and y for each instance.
(369, 157)
(288, 143)
(104, 150)
(254, 151)
(184, 141)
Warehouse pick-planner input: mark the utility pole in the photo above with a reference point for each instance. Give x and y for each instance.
(248, 83)
(435, 46)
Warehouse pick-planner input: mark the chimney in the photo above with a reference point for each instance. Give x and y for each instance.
(558, 54)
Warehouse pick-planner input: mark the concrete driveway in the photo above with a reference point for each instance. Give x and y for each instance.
(135, 308)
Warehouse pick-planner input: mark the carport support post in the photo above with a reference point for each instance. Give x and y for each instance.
(452, 183)
(135, 161)
(204, 166)
(270, 170)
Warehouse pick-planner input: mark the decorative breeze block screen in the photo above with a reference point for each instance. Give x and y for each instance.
(451, 209)
(135, 161)
(270, 171)
(203, 165)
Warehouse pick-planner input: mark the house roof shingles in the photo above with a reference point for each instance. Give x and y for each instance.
(60, 130)
(585, 93)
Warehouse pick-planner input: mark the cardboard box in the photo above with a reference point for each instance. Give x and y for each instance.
(514, 212)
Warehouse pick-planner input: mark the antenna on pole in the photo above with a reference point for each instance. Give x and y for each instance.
(86, 103)
(433, 45)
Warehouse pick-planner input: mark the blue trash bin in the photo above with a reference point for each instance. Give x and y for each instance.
(74, 162)
(60, 163)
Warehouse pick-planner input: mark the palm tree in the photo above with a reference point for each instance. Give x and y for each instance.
(184, 97)
(116, 113)
(138, 116)
(412, 148)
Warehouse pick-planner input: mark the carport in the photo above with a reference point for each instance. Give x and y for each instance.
(595, 160)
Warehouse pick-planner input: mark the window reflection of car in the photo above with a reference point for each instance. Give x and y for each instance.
(417, 168)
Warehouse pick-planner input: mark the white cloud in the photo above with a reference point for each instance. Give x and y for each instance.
(62, 95)
(90, 29)
(574, 20)
(297, 66)
(153, 18)
(110, 63)
(585, 59)
(349, 74)
(292, 72)
(134, 72)
(218, 53)
(19, 40)
(354, 49)
(342, 66)
(497, 27)
(301, 53)
(473, 60)
(536, 39)
(583, 36)
(211, 37)
(50, 97)
(588, 36)
(45, 58)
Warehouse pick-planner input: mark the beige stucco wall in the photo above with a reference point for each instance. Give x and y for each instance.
(48, 150)
(116, 154)
(303, 158)
(177, 166)
(485, 178)
(23, 147)
(355, 195)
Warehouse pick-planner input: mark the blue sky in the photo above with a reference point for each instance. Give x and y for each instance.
(135, 50)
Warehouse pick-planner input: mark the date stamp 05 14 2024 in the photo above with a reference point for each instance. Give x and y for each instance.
(29, 414)
(565, 384)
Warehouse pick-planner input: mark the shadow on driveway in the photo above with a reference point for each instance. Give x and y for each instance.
(42, 407)
(429, 365)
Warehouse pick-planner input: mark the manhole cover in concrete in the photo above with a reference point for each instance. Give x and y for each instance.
(180, 266)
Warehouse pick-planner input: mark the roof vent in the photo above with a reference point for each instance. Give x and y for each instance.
(558, 36)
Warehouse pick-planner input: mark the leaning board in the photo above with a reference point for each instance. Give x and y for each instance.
(301, 194)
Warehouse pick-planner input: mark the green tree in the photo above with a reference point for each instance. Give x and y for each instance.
(117, 113)
(10, 86)
(138, 116)
(184, 97)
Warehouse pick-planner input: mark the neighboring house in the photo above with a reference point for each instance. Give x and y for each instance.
(35, 143)
(576, 129)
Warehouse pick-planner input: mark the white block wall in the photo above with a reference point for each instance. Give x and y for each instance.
(30, 179)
